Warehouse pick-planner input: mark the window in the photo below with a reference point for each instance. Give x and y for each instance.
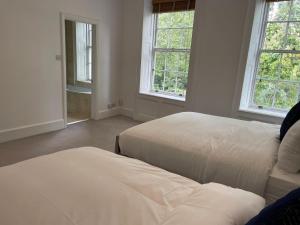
(171, 52)
(276, 77)
(84, 51)
(167, 38)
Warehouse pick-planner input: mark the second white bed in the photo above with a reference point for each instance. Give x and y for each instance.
(207, 148)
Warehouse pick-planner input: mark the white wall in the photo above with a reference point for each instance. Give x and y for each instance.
(217, 43)
(31, 78)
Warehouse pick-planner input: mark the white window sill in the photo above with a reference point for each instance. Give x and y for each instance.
(157, 97)
(264, 112)
(84, 81)
(263, 115)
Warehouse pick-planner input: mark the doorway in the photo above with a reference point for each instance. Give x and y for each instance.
(79, 47)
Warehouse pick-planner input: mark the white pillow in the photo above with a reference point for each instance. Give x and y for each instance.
(289, 150)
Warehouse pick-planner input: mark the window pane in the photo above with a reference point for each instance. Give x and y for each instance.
(286, 95)
(175, 19)
(295, 15)
(264, 93)
(279, 11)
(293, 38)
(162, 39)
(164, 20)
(172, 61)
(290, 68)
(158, 81)
(159, 61)
(275, 33)
(269, 65)
(181, 84)
(170, 82)
(184, 60)
(188, 39)
(176, 38)
(184, 19)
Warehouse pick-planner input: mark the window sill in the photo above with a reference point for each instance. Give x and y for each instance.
(174, 100)
(264, 112)
(264, 115)
(84, 81)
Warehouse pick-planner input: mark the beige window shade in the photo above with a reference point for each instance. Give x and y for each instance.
(162, 6)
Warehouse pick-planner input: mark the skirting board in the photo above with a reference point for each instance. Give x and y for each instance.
(30, 130)
(136, 116)
(40, 128)
(108, 113)
(126, 112)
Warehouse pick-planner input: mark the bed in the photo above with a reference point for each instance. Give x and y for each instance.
(207, 148)
(280, 183)
(89, 186)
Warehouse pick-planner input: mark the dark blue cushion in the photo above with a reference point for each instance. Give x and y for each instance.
(291, 118)
(285, 211)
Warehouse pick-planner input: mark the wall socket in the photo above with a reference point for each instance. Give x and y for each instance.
(58, 57)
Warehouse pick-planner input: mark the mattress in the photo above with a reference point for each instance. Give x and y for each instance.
(280, 183)
(207, 148)
(88, 186)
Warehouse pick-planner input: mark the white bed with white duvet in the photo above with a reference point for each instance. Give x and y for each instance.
(89, 186)
(209, 148)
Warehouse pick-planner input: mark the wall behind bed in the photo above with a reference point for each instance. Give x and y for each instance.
(31, 77)
(220, 32)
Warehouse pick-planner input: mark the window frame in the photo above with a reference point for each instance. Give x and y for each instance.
(88, 49)
(250, 105)
(89, 52)
(147, 84)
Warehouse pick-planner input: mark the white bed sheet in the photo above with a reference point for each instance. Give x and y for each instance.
(89, 186)
(207, 148)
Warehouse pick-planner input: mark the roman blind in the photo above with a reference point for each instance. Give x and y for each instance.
(162, 6)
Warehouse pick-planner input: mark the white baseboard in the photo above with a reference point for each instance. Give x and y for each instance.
(30, 130)
(126, 112)
(40, 128)
(138, 117)
(108, 113)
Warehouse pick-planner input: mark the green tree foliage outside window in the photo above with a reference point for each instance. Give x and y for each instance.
(277, 83)
(171, 52)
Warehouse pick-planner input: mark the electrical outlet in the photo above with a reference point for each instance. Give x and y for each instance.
(58, 57)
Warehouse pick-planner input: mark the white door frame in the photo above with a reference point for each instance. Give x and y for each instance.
(96, 69)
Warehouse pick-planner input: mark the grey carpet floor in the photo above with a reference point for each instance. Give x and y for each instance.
(99, 134)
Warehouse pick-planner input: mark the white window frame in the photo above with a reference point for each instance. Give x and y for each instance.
(167, 50)
(255, 49)
(88, 54)
(89, 49)
(148, 57)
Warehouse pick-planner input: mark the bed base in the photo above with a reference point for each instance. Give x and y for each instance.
(117, 145)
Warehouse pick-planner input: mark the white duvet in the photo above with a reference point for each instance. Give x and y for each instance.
(207, 148)
(89, 186)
